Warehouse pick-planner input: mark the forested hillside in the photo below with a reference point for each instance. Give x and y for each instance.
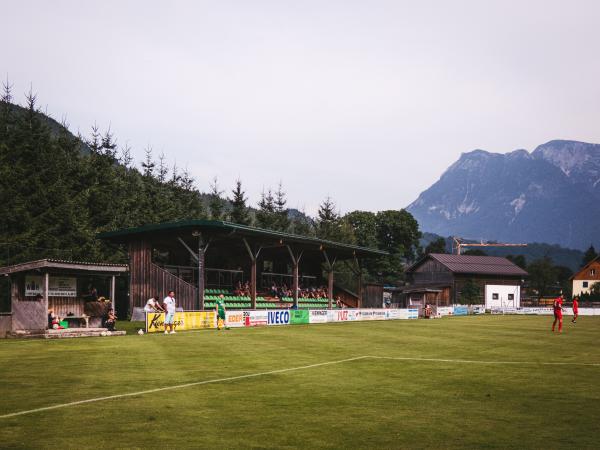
(59, 190)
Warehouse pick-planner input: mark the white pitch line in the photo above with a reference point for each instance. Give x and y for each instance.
(179, 386)
(290, 369)
(472, 361)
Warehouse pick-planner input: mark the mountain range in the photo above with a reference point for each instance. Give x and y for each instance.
(550, 195)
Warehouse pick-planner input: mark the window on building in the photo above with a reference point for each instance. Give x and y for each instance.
(511, 296)
(495, 296)
(585, 284)
(592, 272)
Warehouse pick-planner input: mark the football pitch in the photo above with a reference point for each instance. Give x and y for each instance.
(476, 382)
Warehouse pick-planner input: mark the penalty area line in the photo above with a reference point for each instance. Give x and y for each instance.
(178, 386)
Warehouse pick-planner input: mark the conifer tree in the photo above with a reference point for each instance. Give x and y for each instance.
(216, 203)
(239, 210)
(589, 255)
(266, 216)
(282, 221)
(327, 226)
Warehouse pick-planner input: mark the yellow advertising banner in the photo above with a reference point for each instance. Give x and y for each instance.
(187, 320)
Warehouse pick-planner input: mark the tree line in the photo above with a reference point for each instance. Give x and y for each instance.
(59, 190)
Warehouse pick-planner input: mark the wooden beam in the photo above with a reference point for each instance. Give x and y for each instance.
(200, 260)
(295, 273)
(330, 267)
(46, 289)
(253, 258)
(113, 291)
(192, 253)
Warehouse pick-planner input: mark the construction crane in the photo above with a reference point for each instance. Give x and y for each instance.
(459, 244)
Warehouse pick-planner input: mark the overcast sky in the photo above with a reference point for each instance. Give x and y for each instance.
(365, 101)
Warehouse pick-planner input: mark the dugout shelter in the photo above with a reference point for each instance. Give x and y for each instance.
(73, 290)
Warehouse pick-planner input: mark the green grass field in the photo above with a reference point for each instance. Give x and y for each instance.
(362, 403)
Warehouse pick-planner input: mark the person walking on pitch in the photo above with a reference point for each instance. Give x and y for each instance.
(575, 309)
(558, 313)
(220, 309)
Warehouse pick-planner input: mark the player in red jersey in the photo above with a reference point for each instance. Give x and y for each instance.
(575, 309)
(558, 313)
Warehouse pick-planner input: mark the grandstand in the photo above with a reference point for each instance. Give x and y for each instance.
(202, 259)
(233, 301)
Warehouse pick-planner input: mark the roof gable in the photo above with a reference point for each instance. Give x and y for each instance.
(470, 264)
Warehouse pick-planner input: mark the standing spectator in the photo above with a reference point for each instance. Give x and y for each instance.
(169, 306)
(575, 309)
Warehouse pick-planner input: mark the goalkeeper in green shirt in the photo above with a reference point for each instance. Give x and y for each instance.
(220, 310)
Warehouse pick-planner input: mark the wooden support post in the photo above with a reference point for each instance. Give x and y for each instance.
(330, 289)
(201, 250)
(113, 291)
(295, 273)
(296, 283)
(253, 258)
(253, 283)
(46, 289)
(330, 267)
(358, 273)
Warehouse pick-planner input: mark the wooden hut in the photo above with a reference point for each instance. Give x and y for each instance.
(63, 286)
(442, 280)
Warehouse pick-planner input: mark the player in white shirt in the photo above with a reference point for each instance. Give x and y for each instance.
(152, 305)
(169, 306)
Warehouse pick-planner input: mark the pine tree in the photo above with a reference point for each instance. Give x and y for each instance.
(589, 255)
(328, 220)
(148, 165)
(239, 210)
(282, 221)
(266, 216)
(216, 203)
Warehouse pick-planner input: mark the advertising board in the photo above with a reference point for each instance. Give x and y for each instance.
(186, 320)
(461, 310)
(317, 316)
(445, 310)
(234, 319)
(379, 314)
(299, 316)
(255, 318)
(279, 317)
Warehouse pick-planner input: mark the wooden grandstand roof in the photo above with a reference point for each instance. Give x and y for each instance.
(225, 229)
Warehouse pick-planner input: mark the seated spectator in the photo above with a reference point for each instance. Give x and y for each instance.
(54, 321)
(110, 320)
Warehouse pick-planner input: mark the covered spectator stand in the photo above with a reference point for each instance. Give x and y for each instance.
(197, 257)
(73, 290)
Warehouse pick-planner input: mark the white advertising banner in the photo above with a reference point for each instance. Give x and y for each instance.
(445, 310)
(379, 314)
(317, 316)
(255, 318)
(57, 286)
